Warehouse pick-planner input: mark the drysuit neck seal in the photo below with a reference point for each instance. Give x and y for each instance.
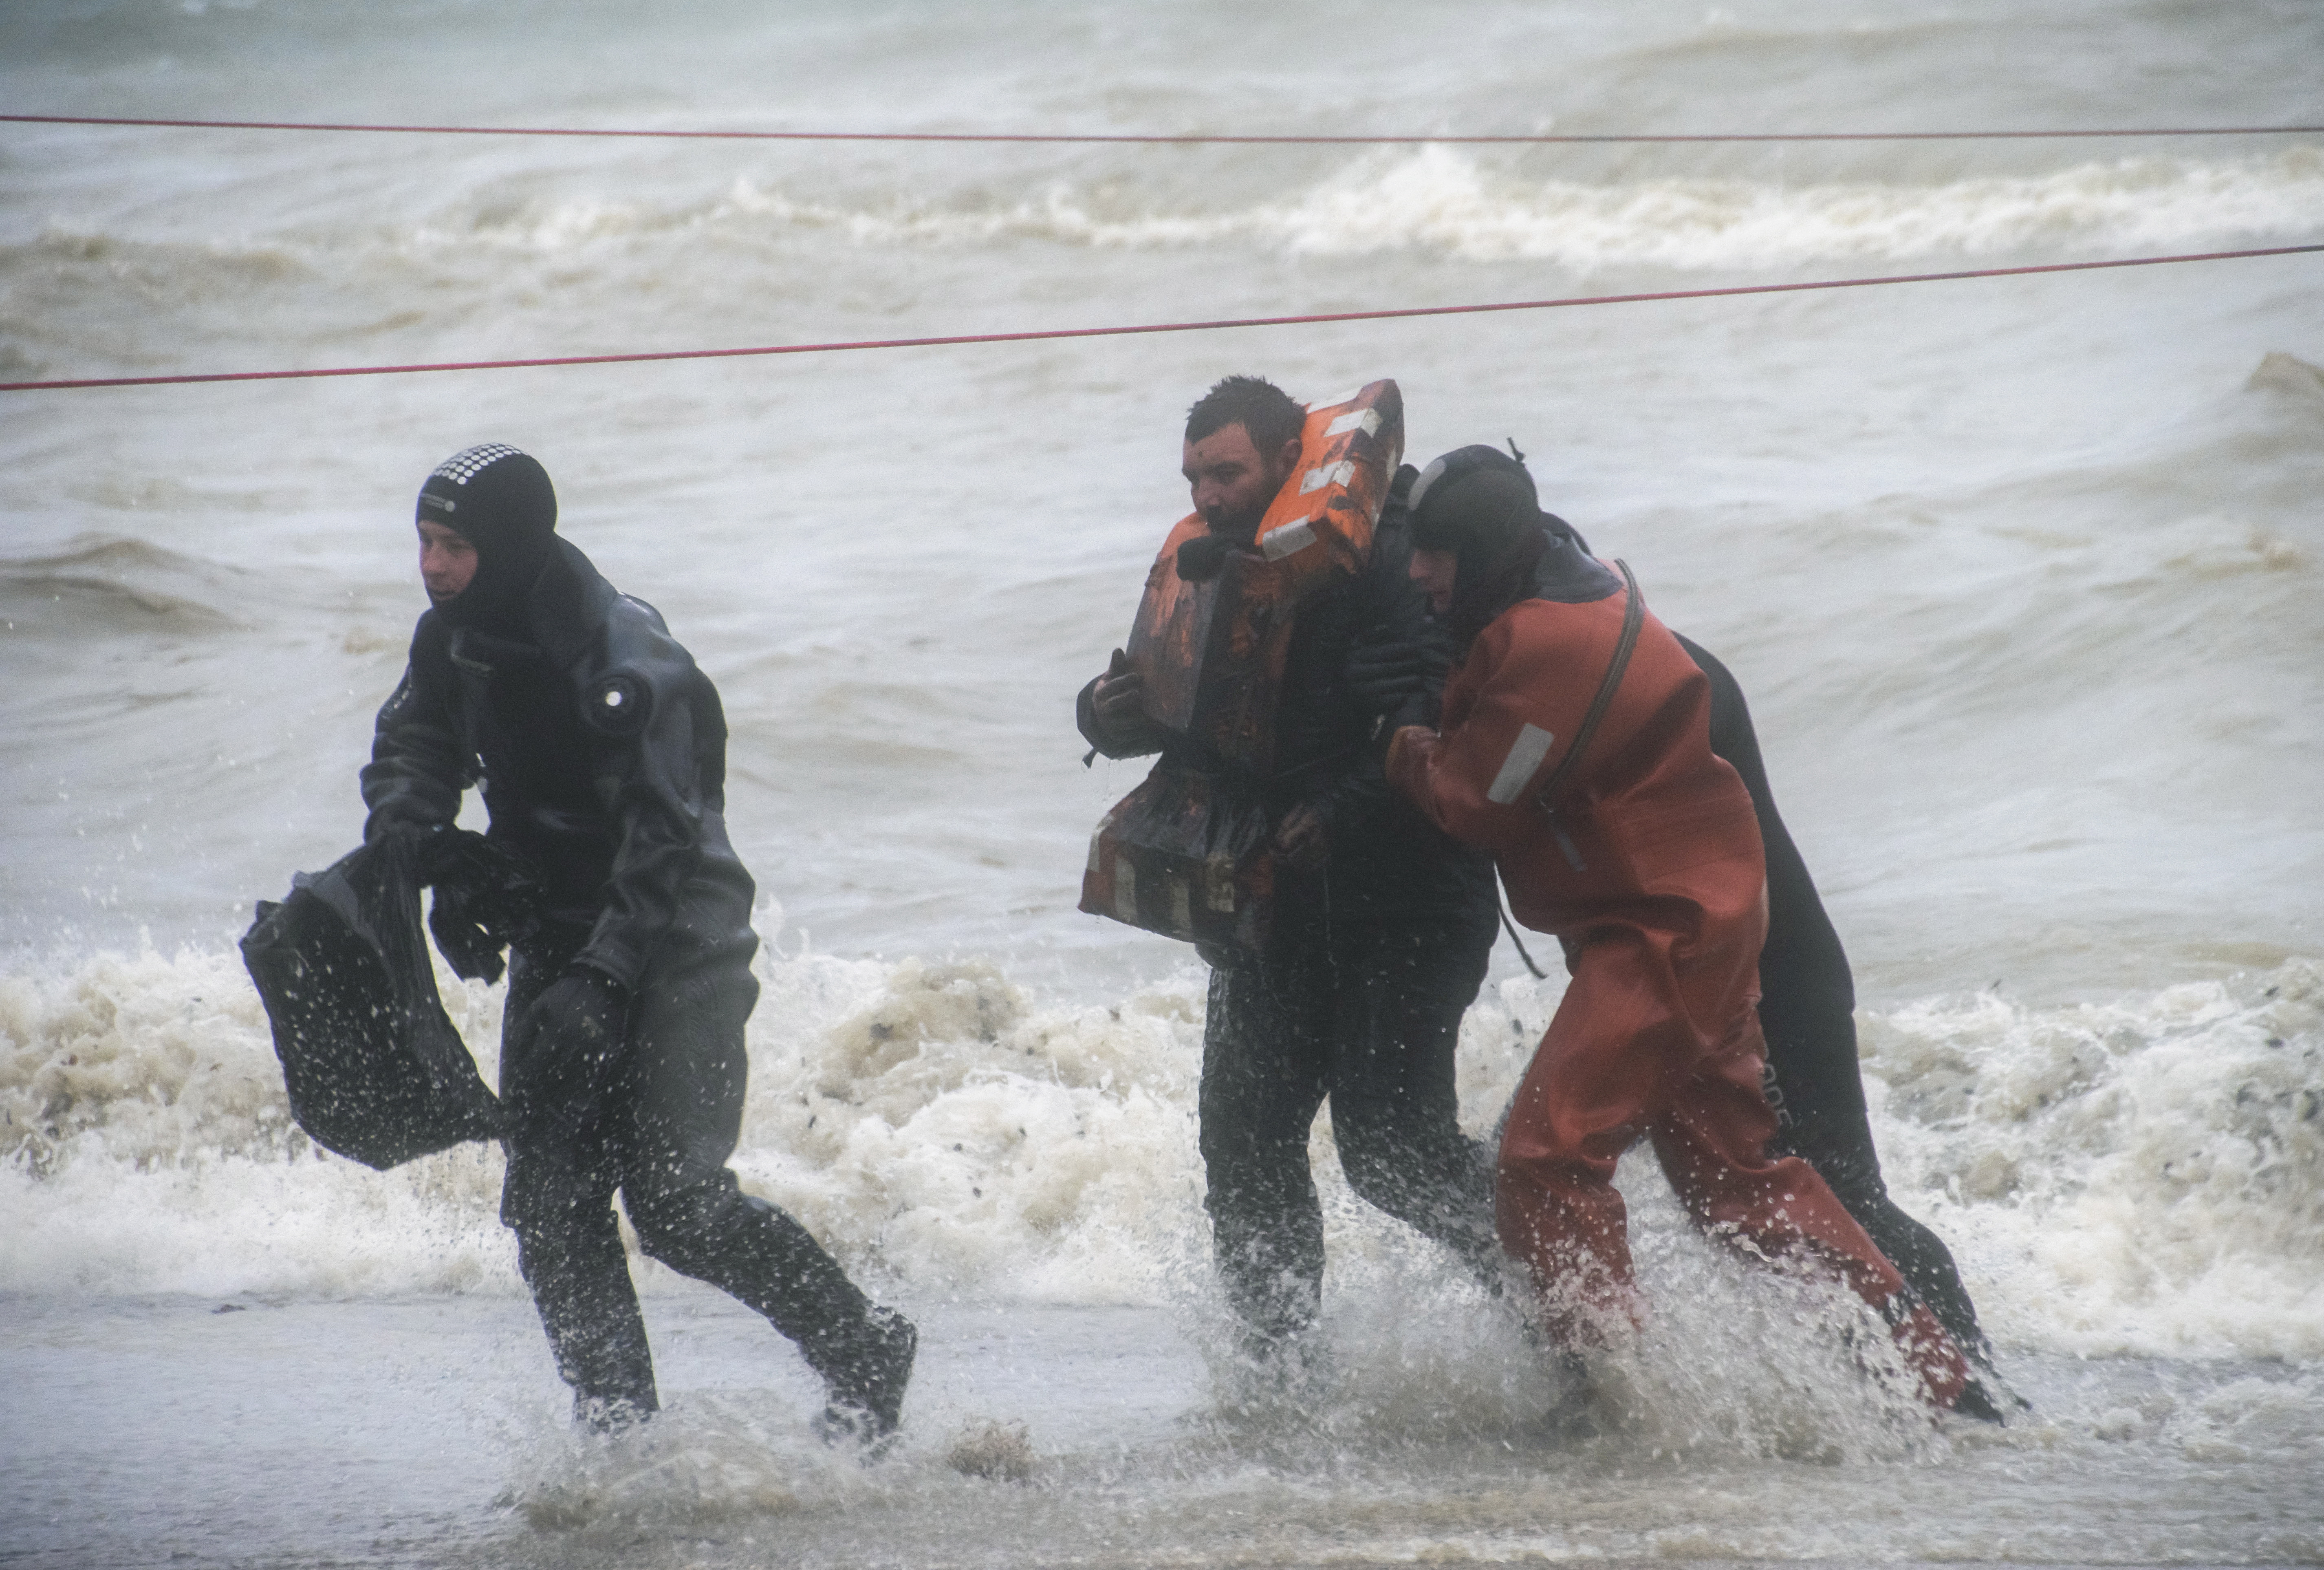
(1484, 594)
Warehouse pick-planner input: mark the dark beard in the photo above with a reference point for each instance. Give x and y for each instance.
(1244, 529)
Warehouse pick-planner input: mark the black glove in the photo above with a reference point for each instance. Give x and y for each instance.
(1418, 710)
(1203, 558)
(467, 945)
(560, 1063)
(1382, 677)
(578, 1019)
(485, 898)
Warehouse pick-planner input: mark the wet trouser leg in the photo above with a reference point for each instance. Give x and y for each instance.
(689, 1072)
(1617, 1065)
(660, 1126)
(1396, 1112)
(1816, 1087)
(1374, 1024)
(558, 1199)
(1807, 1012)
(1263, 1080)
(580, 1281)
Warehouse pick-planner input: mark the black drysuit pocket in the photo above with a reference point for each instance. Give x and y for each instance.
(374, 1069)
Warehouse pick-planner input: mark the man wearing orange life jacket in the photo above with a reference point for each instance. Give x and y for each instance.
(1383, 929)
(1574, 746)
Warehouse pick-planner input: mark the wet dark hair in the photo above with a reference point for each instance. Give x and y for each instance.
(1265, 411)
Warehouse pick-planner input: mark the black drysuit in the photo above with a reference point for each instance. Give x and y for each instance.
(601, 750)
(1807, 1012)
(1359, 1000)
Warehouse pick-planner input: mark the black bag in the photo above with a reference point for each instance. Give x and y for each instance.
(374, 1069)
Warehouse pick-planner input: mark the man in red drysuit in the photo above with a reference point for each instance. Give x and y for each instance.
(1574, 744)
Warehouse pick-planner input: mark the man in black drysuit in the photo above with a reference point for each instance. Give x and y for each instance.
(1383, 927)
(602, 752)
(1807, 1003)
(1807, 1012)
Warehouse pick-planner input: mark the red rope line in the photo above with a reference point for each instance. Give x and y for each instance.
(1045, 334)
(1169, 140)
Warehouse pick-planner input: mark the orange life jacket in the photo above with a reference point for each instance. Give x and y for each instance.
(1187, 853)
(1211, 652)
(1322, 520)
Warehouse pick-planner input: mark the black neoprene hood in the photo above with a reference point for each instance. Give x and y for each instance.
(500, 500)
(1476, 502)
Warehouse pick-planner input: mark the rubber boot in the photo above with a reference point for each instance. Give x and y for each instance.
(866, 1369)
(581, 1286)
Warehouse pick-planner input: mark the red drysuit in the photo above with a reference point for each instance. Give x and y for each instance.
(1650, 873)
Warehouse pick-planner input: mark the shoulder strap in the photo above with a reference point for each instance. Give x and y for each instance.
(1632, 614)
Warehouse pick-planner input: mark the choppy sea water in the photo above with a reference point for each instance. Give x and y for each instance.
(2021, 576)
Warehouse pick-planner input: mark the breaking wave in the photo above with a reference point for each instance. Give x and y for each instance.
(1436, 200)
(1443, 201)
(2146, 1176)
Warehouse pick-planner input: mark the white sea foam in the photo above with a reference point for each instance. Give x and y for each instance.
(1443, 201)
(1449, 202)
(1436, 202)
(2146, 1176)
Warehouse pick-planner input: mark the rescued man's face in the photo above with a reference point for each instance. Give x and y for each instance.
(448, 562)
(1231, 483)
(1433, 571)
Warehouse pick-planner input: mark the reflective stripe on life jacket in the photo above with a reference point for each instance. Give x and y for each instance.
(1322, 518)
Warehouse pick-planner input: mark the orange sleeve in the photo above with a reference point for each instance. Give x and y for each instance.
(1475, 779)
